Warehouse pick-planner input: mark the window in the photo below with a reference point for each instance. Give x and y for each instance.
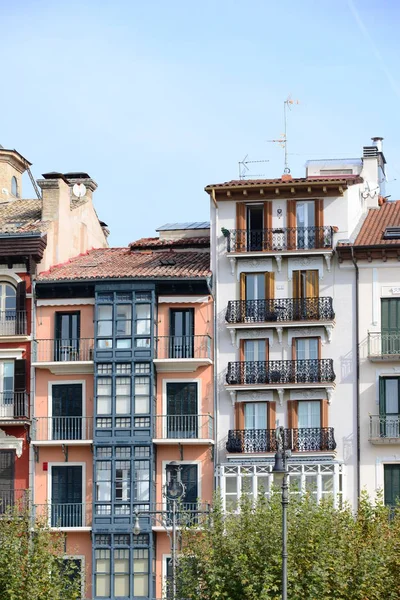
(103, 570)
(391, 484)
(307, 364)
(254, 354)
(255, 226)
(140, 572)
(103, 481)
(104, 326)
(389, 406)
(390, 324)
(67, 408)
(143, 322)
(14, 187)
(72, 567)
(189, 477)
(7, 407)
(142, 480)
(123, 395)
(7, 460)
(104, 395)
(181, 341)
(67, 496)
(255, 350)
(182, 410)
(305, 219)
(142, 395)
(67, 342)
(121, 572)
(255, 415)
(122, 479)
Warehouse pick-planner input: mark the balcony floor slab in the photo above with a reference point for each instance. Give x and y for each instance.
(183, 441)
(61, 368)
(184, 365)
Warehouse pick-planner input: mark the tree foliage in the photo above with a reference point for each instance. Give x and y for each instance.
(31, 565)
(334, 554)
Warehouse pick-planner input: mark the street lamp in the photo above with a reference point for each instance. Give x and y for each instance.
(281, 476)
(173, 492)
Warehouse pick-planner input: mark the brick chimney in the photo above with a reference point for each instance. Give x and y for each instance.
(287, 177)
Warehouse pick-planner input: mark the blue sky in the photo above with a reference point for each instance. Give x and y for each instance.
(156, 99)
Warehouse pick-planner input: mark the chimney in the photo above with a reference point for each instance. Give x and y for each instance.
(77, 177)
(287, 177)
(373, 172)
(56, 196)
(377, 141)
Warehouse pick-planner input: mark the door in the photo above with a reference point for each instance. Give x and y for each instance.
(7, 389)
(389, 407)
(255, 424)
(7, 460)
(181, 341)
(309, 425)
(305, 224)
(66, 344)
(392, 484)
(255, 227)
(67, 412)
(305, 295)
(256, 295)
(182, 410)
(255, 367)
(8, 309)
(307, 364)
(189, 478)
(66, 496)
(390, 321)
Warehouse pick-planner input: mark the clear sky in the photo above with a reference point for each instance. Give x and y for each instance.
(157, 98)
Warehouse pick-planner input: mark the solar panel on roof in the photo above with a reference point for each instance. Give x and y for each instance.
(183, 226)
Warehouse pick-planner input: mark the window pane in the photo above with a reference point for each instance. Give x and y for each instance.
(123, 343)
(141, 585)
(143, 327)
(143, 311)
(104, 328)
(142, 405)
(123, 328)
(103, 585)
(104, 344)
(124, 311)
(142, 385)
(104, 313)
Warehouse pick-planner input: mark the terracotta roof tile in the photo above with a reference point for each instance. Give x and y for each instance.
(156, 242)
(371, 233)
(109, 263)
(343, 180)
(21, 216)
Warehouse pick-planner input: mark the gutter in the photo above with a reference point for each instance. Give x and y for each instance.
(358, 484)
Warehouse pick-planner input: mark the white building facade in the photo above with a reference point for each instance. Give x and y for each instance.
(285, 334)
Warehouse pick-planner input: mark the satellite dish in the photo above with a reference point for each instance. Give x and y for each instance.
(79, 190)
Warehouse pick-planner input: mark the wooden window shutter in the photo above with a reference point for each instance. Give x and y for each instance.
(271, 415)
(293, 348)
(270, 285)
(267, 350)
(241, 350)
(291, 223)
(239, 415)
(312, 284)
(324, 413)
(243, 286)
(267, 235)
(296, 283)
(292, 414)
(319, 348)
(319, 212)
(20, 305)
(20, 376)
(240, 215)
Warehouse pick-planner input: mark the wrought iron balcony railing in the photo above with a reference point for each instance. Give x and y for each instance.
(278, 239)
(183, 346)
(383, 345)
(14, 405)
(281, 372)
(280, 310)
(186, 427)
(306, 439)
(13, 322)
(73, 515)
(65, 350)
(384, 426)
(11, 498)
(48, 429)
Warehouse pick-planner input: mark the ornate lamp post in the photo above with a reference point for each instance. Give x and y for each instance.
(281, 476)
(173, 492)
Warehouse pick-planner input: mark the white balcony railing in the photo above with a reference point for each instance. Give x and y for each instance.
(47, 429)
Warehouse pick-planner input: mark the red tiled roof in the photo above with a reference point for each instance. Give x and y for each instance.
(182, 242)
(343, 180)
(371, 233)
(109, 263)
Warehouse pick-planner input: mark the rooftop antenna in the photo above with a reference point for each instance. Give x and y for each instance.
(283, 140)
(243, 168)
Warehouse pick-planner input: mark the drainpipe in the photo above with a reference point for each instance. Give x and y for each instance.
(212, 290)
(32, 392)
(357, 377)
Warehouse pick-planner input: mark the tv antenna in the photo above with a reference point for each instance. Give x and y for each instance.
(282, 141)
(243, 168)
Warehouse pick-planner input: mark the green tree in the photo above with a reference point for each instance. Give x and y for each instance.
(31, 561)
(334, 554)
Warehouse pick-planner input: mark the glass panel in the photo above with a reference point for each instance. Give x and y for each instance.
(255, 286)
(392, 396)
(309, 413)
(143, 311)
(124, 311)
(104, 313)
(104, 328)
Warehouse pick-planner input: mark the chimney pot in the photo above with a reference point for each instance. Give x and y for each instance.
(287, 177)
(377, 141)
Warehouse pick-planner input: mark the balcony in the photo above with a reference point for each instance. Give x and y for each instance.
(14, 405)
(280, 312)
(71, 431)
(383, 346)
(183, 429)
(183, 353)
(281, 373)
(187, 513)
(278, 240)
(11, 498)
(64, 356)
(12, 323)
(307, 439)
(73, 516)
(384, 429)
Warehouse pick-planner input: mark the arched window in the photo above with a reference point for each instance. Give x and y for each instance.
(8, 308)
(14, 187)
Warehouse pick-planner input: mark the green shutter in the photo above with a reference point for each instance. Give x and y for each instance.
(392, 484)
(382, 399)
